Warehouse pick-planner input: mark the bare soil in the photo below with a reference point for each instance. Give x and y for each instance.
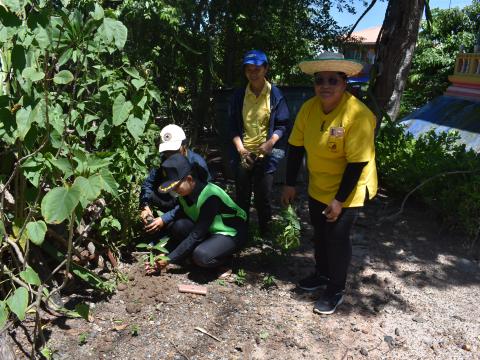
(413, 293)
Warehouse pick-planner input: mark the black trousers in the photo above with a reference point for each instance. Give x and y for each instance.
(260, 182)
(333, 246)
(213, 250)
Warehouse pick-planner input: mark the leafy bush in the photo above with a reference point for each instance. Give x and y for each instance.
(405, 162)
(76, 133)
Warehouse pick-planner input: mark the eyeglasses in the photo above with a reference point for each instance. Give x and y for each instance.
(332, 81)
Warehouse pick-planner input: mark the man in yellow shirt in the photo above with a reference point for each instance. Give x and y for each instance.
(336, 131)
(259, 124)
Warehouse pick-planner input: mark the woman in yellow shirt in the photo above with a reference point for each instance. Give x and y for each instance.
(336, 131)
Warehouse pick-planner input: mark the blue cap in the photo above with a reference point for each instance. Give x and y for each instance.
(255, 57)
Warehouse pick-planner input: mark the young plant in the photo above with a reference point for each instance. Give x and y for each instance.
(135, 330)
(82, 338)
(269, 281)
(287, 230)
(221, 282)
(156, 252)
(240, 277)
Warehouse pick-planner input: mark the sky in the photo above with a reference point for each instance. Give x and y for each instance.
(375, 16)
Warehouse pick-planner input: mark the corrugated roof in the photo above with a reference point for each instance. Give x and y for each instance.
(446, 113)
(367, 36)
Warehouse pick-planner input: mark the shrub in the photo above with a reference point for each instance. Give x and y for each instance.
(405, 162)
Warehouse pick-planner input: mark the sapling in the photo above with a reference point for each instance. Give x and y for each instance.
(152, 257)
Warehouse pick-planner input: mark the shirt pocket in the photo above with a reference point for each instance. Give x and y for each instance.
(335, 144)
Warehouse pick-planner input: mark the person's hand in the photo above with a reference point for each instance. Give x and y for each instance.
(157, 267)
(246, 160)
(154, 226)
(288, 195)
(146, 214)
(266, 148)
(333, 210)
(243, 152)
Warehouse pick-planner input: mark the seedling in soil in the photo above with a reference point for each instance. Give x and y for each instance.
(135, 330)
(47, 352)
(121, 277)
(240, 277)
(269, 281)
(221, 282)
(263, 335)
(82, 338)
(286, 230)
(153, 250)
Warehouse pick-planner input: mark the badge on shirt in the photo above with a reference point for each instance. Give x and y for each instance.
(337, 132)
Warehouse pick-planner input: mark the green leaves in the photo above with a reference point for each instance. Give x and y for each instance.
(2, 230)
(90, 188)
(121, 109)
(36, 231)
(113, 31)
(24, 122)
(3, 314)
(32, 74)
(98, 13)
(136, 127)
(138, 83)
(59, 204)
(14, 5)
(63, 77)
(30, 276)
(18, 302)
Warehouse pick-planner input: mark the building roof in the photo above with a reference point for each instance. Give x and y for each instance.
(367, 36)
(446, 113)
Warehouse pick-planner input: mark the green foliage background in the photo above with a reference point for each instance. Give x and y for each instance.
(436, 51)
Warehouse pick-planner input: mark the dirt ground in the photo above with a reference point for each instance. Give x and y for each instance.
(413, 293)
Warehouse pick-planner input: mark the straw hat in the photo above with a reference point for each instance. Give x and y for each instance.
(329, 61)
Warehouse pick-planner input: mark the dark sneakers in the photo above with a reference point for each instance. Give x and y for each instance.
(327, 303)
(313, 282)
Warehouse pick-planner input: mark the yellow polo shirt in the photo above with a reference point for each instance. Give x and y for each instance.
(331, 141)
(256, 117)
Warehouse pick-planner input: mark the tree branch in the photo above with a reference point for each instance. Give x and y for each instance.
(402, 206)
(360, 18)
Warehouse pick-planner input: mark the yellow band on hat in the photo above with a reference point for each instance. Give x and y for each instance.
(169, 187)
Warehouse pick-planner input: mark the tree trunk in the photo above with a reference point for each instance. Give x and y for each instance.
(395, 47)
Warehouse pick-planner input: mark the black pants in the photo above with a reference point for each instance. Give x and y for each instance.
(261, 183)
(213, 250)
(333, 246)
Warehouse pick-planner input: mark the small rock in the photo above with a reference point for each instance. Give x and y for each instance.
(122, 287)
(466, 266)
(397, 331)
(466, 347)
(364, 351)
(389, 340)
(133, 308)
(387, 280)
(355, 329)
(365, 331)
(418, 319)
(91, 248)
(382, 324)
(397, 291)
(107, 275)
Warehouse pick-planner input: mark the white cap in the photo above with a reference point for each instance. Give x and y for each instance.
(171, 138)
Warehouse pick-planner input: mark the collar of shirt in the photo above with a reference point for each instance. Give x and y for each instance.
(266, 89)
